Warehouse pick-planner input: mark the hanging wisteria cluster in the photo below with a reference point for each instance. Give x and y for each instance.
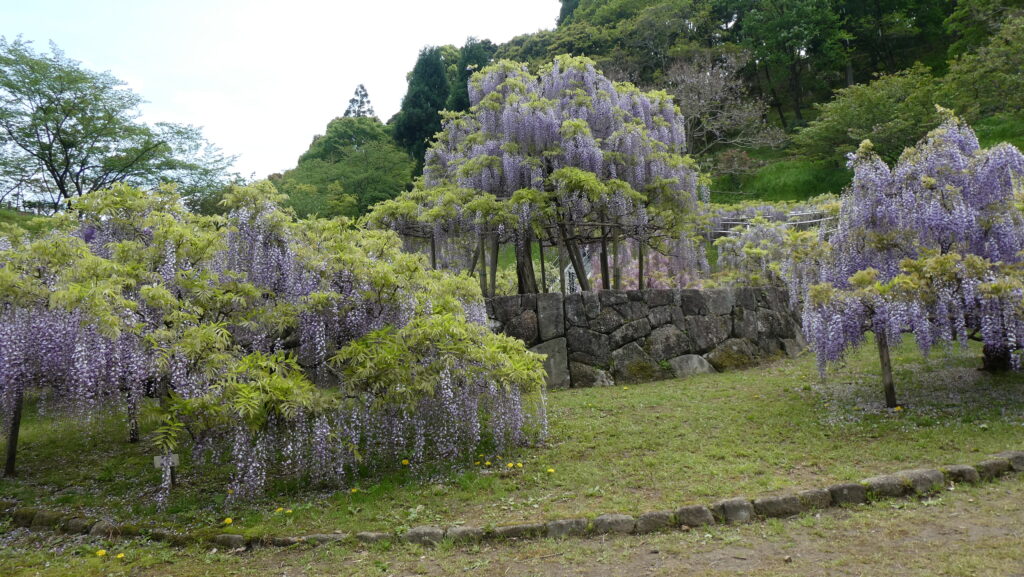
(281, 346)
(931, 246)
(519, 145)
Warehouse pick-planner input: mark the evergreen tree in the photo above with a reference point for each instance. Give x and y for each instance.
(474, 55)
(418, 120)
(359, 105)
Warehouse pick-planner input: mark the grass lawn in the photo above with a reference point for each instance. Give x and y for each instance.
(27, 221)
(784, 179)
(641, 448)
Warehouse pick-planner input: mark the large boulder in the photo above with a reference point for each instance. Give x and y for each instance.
(659, 316)
(667, 342)
(575, 314)
(692, 302)
(630, 364)
(587, 346)
(659, 297)
(632, 310)
(584, 375)
(607, 321)
(630, 332)
(706, 332)
(732, 354)
(557, 362)
(524, 327)
(719, 301)
(550, 316)
(686, 365)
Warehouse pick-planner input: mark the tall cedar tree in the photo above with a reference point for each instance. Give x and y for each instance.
(418, 120)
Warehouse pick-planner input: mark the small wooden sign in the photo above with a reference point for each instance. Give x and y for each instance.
(160, 460)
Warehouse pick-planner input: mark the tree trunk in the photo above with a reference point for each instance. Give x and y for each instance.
(616, 267)
(475, 260)
(483, 267)
(561, 268)
(605, 276)
(640, 267)
(433, 252)
(525, 274)
(12, 434)
(495, 249)
(794, 78)
(776, 102)
(575, 258)
(543, 272)
(883, 357)
(994, 359)
(133, 422)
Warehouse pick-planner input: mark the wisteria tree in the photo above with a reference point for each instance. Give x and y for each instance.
(572, 159)
(280, 346)
(931, 246)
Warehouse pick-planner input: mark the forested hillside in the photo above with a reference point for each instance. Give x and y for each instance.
(775, 92)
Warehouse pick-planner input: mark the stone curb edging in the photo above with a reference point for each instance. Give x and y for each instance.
(908, 483)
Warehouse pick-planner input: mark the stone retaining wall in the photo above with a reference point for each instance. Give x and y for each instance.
(609, 337)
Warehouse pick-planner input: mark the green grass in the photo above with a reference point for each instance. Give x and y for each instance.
(641, 448)
(784, 179)
(1000, 128)
(27, 221)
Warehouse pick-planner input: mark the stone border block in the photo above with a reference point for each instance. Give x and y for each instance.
(992, 468)
(424, 535)
(464, 534)
(614, 523)
(23, 517)
(51, 520)
(372, 537)
(104, 529)
(519, 531)
(694, 516)
(1016, 459)
(884, 486)
(815, 499)
(848, 494)
(324, 538)
(731, 511)
(781, 506)
(229, 540)
(78, 526)
(961, 473)
(654, 521)
(922, 481)
(563, 528)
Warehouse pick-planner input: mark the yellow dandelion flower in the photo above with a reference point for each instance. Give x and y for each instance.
(287, 511)
(405, 462)
(279, 509)
(551, 470)
(510, 465)
(519, 465)
(354, 490)
(487, 464)
(120, 555)
(625, 388)
(476, 462)
(101, 553)
(228, 521)
(897, 408)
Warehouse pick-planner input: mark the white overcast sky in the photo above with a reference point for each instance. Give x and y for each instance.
(263, 77)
